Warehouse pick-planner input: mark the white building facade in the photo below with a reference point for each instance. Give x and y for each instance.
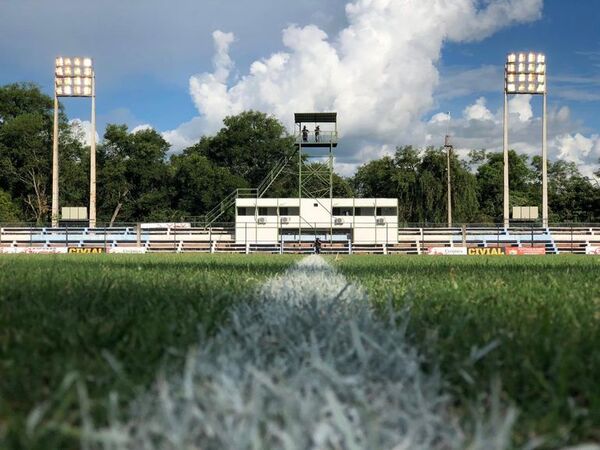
(275, 220)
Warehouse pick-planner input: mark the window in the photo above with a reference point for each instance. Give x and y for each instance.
(368, 211)
(342, 211)
(267, 211)
(387, 211)
(289, 211)
(245, 211)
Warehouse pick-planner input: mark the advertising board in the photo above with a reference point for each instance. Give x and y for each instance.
(592, 250)
(447, 251)
(166, 225)
(33, 250)
(485, 251)
(86, 250)
(127, 250)
(520, 251)
(70, 250)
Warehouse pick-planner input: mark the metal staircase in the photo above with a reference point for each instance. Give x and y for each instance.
(229, 202)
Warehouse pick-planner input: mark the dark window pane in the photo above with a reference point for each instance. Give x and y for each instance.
(245, 211)
(387, 211)
(365, 211)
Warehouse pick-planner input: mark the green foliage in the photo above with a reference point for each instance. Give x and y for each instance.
(137, 176)
(9, 212)
(573, 197)
(417, 178)
(419, 181)
(248, 145)
(199, 184)
(139, 181)
(26, 151)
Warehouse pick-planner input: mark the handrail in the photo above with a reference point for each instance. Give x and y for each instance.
(275, 172)
(311, 137)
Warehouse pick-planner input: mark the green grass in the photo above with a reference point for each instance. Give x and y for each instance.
(543, 312)
(112, 322)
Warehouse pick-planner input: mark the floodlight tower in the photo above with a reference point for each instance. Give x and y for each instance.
(74, 77)
(525, 73)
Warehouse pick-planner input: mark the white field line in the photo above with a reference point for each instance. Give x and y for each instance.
(308, 367)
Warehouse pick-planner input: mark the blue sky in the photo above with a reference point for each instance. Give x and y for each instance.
(569, 35)
(146, 51)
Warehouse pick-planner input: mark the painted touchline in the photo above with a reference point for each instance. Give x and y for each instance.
(308, 366)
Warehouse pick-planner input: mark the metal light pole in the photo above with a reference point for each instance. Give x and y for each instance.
(505, 185)
(544, 163)
(525, 73)
(93, 157)
(55, 164)
(74, 77)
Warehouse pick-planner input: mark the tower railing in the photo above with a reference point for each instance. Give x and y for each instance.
(323, 137)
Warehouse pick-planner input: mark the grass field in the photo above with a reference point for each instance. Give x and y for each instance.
(539, 318)
(112, 323)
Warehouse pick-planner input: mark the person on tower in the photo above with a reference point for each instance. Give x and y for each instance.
(317, 133)
(304, 134)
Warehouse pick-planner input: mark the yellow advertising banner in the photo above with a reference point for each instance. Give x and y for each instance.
(488, 251)
(86, 250)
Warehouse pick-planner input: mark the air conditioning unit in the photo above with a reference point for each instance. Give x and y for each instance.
(338, 221)
(261, 221)
(285, 220)
(380, 221)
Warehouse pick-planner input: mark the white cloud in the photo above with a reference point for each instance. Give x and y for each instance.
(141, 127)
(564, 143)
(478, 111)
(584, 151)
(83, 131)
(379, 73)
(521, 106)
(440, 117)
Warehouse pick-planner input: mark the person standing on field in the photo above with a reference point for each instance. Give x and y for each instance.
(317, 246)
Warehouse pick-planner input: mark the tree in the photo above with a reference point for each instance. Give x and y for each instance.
(418, 181)
(198, 184)
(490, 181)
(407, 162)
(248, 145)
(572, 197)
(433, 189)
(375, 178)
(26, 116)
(135, 176)
(9, 212)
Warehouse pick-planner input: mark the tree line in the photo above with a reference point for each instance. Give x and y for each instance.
(140, 180)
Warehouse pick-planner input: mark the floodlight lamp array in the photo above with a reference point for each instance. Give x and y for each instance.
(74, 77)
(525, 73)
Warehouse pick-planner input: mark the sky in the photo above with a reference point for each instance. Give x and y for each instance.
(397, 72)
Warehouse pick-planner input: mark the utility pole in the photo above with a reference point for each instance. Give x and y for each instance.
(448, 147)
